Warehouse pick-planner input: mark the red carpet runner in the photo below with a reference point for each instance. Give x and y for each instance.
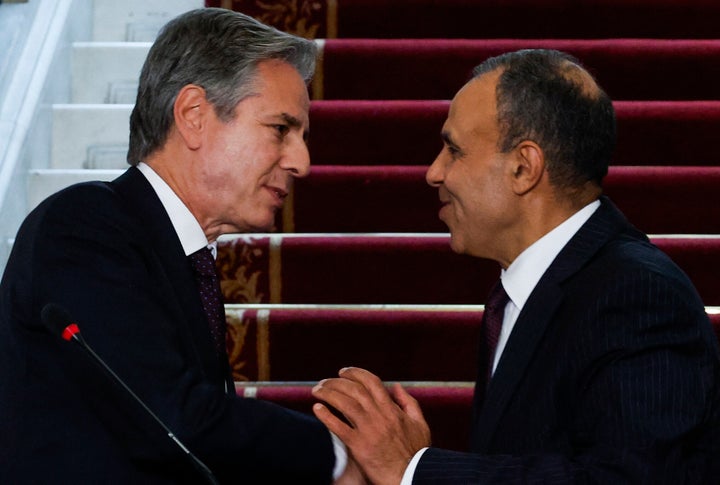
(381, 93)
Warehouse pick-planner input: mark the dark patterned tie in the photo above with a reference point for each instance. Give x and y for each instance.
(492, 321)
(209, 286)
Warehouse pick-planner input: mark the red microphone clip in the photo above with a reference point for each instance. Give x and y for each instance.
(70, 331)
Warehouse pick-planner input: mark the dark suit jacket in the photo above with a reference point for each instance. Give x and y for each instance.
(108, 253)
(611, 375)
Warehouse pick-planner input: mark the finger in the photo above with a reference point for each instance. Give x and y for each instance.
(344, 394)
(372, 383)
(332, 422)
(417, 427)
(346, 398)
(364, 388)
(341, 386)
(406, 402)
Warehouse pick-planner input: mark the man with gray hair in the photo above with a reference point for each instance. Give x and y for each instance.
(218, 134)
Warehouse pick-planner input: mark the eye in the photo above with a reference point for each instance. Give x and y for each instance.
(453, 151)
(281, 130)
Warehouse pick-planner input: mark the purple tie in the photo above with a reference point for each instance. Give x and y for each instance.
(492, 321)
(209, 287)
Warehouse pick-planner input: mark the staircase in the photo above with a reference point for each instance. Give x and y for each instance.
(67, 74)
(90, 132)
(360, 272)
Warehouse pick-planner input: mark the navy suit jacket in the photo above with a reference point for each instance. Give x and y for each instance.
(108, 253)
(611, 375)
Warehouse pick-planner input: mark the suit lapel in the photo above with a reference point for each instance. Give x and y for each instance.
(519, 350)
(537, 315)
(137, 192)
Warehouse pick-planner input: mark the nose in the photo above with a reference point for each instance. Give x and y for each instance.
(435, 174)
(297, 159)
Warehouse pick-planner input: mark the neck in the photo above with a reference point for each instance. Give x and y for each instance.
(542, 214)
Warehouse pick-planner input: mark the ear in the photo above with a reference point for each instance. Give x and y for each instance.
(529, 167)
(190, 111)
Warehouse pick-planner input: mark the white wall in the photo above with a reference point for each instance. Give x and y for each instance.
(36, 74)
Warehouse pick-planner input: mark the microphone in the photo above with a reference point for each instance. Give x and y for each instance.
(59, 323)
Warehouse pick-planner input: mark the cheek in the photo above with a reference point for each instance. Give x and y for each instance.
(235, 168)
(479, 203)
(467, 191)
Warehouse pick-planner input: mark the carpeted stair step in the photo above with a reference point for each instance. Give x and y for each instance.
(395, 269)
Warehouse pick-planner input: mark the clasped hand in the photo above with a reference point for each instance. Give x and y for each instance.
(383, 429)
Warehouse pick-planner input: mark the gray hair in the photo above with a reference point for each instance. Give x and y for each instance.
(213, 48)
(547, 97)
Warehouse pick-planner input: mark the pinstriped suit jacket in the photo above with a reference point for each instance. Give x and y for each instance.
(611, 375)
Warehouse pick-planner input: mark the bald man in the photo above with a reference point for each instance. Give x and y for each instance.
(597, 362)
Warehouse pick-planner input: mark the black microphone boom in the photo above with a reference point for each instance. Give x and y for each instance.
(58, 321)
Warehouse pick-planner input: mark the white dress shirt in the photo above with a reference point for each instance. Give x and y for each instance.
(519, 280)
(192, 237)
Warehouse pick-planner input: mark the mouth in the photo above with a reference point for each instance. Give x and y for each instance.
(279, 195)
(443, 205)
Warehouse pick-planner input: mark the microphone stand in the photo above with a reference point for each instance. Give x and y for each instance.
(58, 320)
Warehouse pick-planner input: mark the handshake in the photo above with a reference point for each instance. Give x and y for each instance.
(382, 429)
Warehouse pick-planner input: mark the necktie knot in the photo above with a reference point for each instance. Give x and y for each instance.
(498, 298)
(492, 321)
(204, 263)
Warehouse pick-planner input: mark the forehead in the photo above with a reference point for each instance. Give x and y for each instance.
(279, 87)
(473, 111)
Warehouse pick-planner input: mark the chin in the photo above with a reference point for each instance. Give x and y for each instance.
(262, 228)
(456, 244)
(267, 225)
(249, 227)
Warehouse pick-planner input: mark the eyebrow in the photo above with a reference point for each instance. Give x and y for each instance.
(447, 139)
(294, 122)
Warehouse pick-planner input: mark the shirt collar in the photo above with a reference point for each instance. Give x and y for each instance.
(520, 278)
(186, 226)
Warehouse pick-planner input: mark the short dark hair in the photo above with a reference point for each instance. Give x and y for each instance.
(216, 49)
(543, 96)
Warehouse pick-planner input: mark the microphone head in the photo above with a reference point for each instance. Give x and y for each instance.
(58, 321)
